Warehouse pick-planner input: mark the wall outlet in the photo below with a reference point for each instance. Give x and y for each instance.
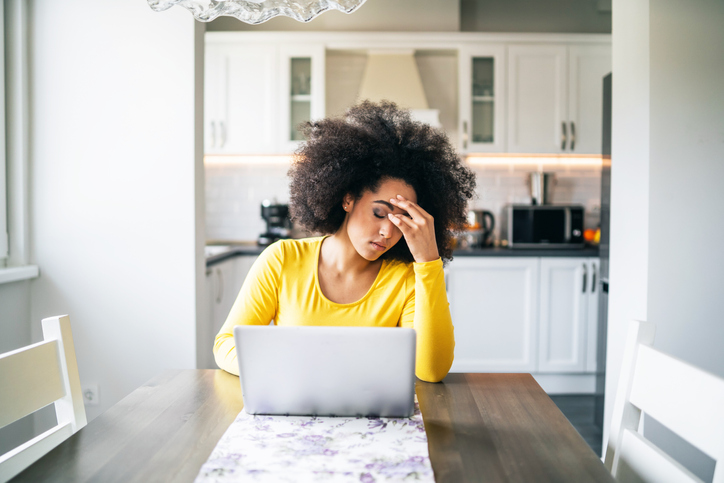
(90, 395)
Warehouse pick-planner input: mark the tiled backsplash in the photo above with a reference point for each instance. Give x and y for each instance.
(234, 193)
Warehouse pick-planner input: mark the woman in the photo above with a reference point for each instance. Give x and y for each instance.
(385, 192)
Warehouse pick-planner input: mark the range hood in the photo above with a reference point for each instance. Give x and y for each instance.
(392, 75)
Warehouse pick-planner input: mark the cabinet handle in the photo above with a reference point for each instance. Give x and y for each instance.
(222, 127)
(593, 278)
(465, 134)
(446, 282)
(564, 136)
(221, 287)
(585, 278)
(213, 134)
(573, 135)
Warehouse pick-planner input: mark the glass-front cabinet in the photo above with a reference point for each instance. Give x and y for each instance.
(482, 91)
(302, 90)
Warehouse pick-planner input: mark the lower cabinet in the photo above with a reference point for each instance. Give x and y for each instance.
(223, 282)
(526, 314)
(494, 307)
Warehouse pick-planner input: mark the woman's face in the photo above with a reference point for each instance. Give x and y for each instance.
(368, 226)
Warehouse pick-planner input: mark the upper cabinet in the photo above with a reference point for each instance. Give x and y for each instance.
(555, 97)
(481, 76)
(240, 98)
(257, 94)
(301, 72)
(497, 93)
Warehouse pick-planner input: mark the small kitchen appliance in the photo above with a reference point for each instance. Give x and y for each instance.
(278, 224)
(478, 229)
(541, 188)
(545, 226)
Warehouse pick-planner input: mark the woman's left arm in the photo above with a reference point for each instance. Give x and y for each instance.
(427, 310)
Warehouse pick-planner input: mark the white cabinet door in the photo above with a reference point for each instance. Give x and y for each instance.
(302, 91)
(564, 284)
(493, 302)
(587, 65)
(241, 83)
(594, 269)
(537, 96)
(224, 275)
(481, 77)
(213, 76)
(555, 98)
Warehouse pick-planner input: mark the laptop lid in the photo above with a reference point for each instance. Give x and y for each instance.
(327, 371)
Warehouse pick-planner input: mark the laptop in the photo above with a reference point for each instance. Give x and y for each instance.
(327, 371)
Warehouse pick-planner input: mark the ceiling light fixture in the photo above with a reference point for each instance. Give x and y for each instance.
(257, 11)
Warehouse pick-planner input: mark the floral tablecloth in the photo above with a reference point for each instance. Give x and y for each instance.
(305, 448)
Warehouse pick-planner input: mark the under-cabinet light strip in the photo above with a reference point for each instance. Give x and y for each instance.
(472, 159)
(248, 159)
(533, 159)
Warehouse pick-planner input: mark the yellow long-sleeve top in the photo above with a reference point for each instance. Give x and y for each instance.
(283, 285)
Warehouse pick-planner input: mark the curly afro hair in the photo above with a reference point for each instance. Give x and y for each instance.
(375, 142)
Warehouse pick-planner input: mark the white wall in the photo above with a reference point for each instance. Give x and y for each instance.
(686, 281)
(668, 147)
(114, 152)
(628, 270)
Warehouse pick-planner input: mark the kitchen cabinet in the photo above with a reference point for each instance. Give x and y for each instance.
(563, 315)
(555, 97)
(240, 98)
(223, 282)
(482, 98)
(516, 93)
(301, 74)
(256, 95)
(526, 314)
(494, 306)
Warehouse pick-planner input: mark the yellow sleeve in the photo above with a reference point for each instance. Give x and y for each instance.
(428, 312)
(256, 304)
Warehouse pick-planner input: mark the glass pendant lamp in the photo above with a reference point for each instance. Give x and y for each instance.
(257, 11)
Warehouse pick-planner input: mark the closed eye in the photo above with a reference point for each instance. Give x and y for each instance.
(379, 214)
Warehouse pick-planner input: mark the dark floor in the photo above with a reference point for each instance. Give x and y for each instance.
(580, 412)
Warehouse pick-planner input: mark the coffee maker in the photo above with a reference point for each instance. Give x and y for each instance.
(278, 223)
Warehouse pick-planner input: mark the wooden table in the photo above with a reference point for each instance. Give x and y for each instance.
(480, 427)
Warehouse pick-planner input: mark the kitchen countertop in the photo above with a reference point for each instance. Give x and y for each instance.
(218, 253)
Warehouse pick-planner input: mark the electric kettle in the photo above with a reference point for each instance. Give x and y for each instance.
(479, 228)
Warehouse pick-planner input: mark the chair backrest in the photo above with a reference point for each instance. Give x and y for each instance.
(33, 377)
(685, 399)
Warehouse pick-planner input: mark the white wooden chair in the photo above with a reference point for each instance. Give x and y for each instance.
(685, 399)
(33, 377)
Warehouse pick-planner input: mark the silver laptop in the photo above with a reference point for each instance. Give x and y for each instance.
(327, 371)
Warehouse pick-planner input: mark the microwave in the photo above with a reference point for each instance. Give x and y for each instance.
(545, 226)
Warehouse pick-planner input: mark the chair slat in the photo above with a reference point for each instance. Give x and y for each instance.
(681, 397)
(30, 379)
(15, 461)
(641, 461)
